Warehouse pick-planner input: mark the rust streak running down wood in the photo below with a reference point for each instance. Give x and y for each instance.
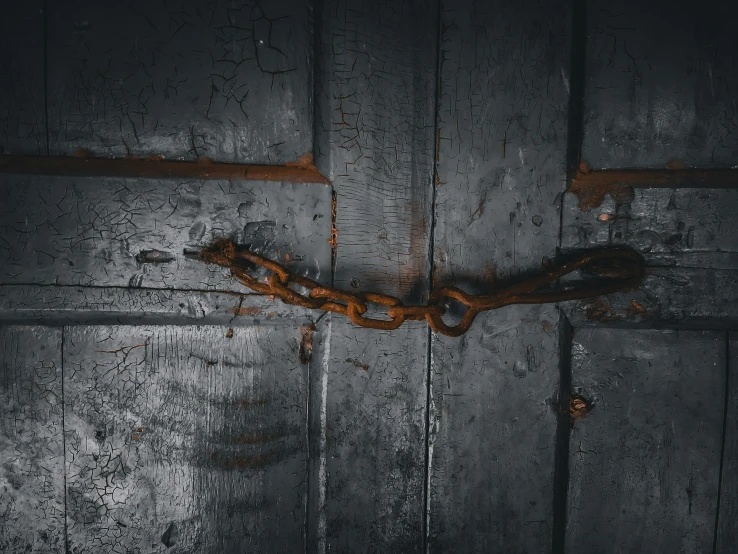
(302, 171)
(708, 178)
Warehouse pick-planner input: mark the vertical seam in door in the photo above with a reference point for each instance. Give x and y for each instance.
(575, 119)
(64, 444)
(431, 262)
(722, 442)
(561, 449)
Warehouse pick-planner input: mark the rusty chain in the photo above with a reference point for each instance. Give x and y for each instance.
(619, 268)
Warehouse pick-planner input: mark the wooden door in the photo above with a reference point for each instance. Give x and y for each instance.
(151, 403)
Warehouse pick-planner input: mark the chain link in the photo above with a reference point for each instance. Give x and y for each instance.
(618, 268)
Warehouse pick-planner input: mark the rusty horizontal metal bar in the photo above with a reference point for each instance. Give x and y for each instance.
(708, 178)
(302, 171)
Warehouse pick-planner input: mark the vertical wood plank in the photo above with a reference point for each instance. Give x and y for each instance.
(31, 441)
(183, 437)
(501, 165)
(22, 79)
(184, 79)
(375, 100)
(726, 540)
(644, 462)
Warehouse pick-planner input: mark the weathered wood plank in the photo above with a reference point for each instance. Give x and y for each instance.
(375, 123)
(22, 80)
(123, 232)
(184, 79)
(661, 84)
(689, 238)
(58, 305)
(726, 540)
(644, 463)
(184, 437)
(501, 165)
(31, 441)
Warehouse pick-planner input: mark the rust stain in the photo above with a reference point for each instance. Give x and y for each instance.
(637, 308)
(591, 186)
(306, 343)
(229, 333)
(83, 163)
(547, 325)
(239, 310)
(306, 160)
(245, 462)
(357, 363)
(245, 403)
(579, 407)
(599, 310)
(257, 438)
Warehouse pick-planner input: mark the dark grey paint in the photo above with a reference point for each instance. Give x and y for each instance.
(644, 464)
(22, 101)
(184, 79)
(660, 84)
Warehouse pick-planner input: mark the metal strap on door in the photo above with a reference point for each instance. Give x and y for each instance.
(611, 270)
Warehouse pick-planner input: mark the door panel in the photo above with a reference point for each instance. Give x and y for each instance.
(645, 452)
(501, 165)
(22, 114)
(31, 441)
(689, 238)
(660, 84)
(133, 232)
(185, 79)
(186, 437)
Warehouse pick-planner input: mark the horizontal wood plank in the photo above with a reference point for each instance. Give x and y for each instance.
(689, 238)
(134, 232)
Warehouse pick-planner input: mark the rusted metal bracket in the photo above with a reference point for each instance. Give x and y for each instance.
(155, 167)
(615, 269)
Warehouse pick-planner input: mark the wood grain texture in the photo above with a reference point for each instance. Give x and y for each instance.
(375, 102)
(128, 232)
(181, 439)
(689, 238)
(183, 79)
(726, 540)
(59, 305)
(31, 441)
(660, 84)
(501, 164)
(644, 463)
(22, 81)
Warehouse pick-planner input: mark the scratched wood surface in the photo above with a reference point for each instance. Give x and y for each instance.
(181, 439)
(184, 79)
(22, 113)
(502, 143)
(727, 528)
(689, 238)
(374, 139)
(31, 441)
(660, 84)
(645, 461)
(134, 232)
